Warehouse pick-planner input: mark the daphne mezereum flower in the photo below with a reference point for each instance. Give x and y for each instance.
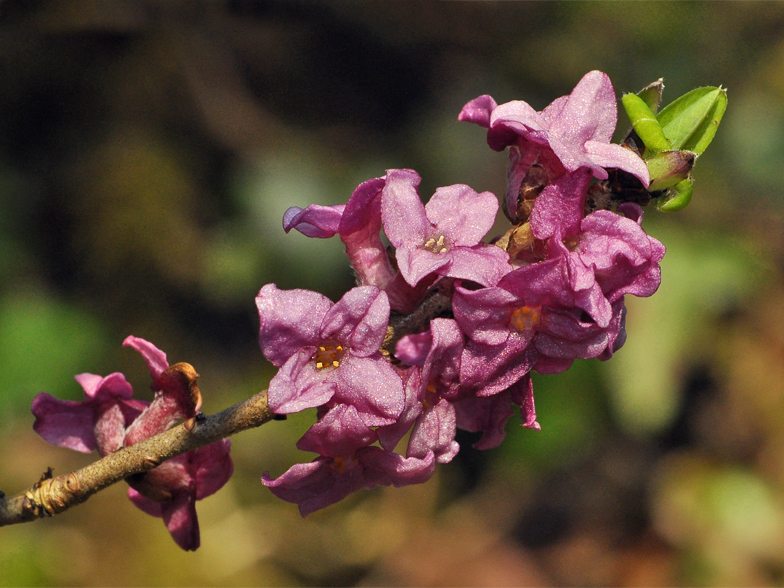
(573, 132)
(329, 352)
(443, 237)
(109, 419)
(607, 254)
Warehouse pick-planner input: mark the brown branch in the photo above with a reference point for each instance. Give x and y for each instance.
(50, 496)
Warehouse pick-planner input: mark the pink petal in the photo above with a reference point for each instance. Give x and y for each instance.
(65, 423)
(316, 221)
(211, 466)
(290, 319)
(153, 357)
(478, 111)
(461, 214)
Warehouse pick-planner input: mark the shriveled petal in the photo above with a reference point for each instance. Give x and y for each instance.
(317, 221)
(402, 211)
(290, 320)
(65, 423)
(339, 433)
(371, 385)
(522, 394)
(478, 111)
(181, 521)
(153, 357)
(298, 385)
(211, 467)
(461, 214)
(358, 320)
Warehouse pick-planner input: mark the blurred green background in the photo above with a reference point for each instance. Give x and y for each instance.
(147, 152)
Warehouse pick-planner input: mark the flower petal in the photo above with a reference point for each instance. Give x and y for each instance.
(290, 320)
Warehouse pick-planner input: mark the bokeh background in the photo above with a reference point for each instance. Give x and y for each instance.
(147, 152)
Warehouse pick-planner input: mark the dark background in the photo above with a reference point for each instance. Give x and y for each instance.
(147, 152)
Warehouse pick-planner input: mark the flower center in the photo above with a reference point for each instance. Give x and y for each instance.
(525, 318)
(572, 242)
(341, 464)
(436, 244)
(329, 355)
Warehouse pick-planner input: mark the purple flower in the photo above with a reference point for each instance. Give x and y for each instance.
(109, 419)
(329, 352)
(358, 223)
(98, 422)
(607, 254)
(573, 132)
(443, 237)
(530, 314)
(489, 414)
(327, 480)
(178, 483)
(430, 392)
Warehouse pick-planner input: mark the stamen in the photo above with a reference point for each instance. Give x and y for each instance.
(572, 242)
(525, 318)
(436, 244)
(329, 355)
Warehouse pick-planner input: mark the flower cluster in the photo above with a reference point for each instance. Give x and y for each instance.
(549, 291)
(109, 419)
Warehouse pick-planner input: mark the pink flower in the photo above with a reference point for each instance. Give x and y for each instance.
(329, 353)
(358, 222)
(327, 480)
(573, 132)
(443, 237)
(607, 254)
(109, 419)
(98, 422)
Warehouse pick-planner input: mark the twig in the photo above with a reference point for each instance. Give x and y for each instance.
(51, 496)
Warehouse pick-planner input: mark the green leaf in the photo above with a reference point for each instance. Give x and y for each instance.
(645, 124)
(691, 121)
(677, 197)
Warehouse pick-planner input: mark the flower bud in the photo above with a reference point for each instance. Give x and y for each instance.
(676, 197)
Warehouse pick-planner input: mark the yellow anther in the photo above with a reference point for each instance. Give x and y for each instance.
(525, 318)
(329, 355)
(436, 244)
(572, 242)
